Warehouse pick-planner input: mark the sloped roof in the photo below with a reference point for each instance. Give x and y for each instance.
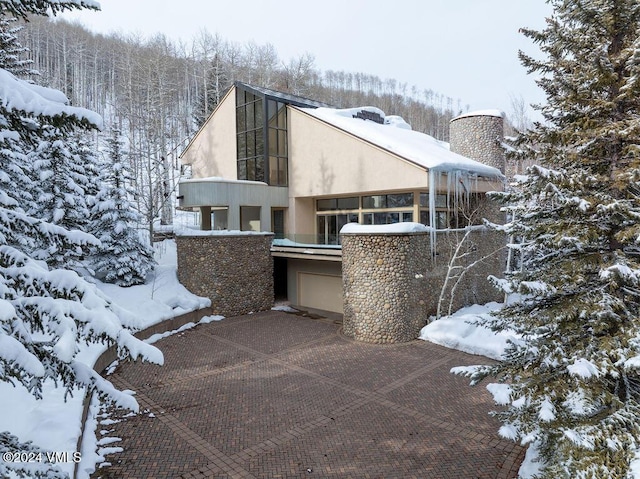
(281, 96)
(398, 138)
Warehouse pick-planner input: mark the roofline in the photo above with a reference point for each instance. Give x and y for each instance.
(204, 124)
(288, 98)
(386, 150)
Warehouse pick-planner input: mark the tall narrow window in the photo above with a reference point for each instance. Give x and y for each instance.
(277, 222)
(277, 142)
(250, 136)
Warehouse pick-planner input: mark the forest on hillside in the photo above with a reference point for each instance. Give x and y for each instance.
(157, 92)
(130, 78)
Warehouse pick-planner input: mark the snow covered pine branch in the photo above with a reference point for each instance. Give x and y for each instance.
(46, 313)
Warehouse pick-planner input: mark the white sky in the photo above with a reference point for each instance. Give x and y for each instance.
(465, 49)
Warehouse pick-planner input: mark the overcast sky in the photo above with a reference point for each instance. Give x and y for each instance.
(464, 49)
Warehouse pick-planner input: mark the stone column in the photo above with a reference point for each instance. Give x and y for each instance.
(235, 271)
(478, 135)
(383, 283)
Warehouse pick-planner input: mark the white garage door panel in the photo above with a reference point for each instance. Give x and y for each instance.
(320, 291)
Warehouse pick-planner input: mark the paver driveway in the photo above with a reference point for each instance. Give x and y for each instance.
(274, 395)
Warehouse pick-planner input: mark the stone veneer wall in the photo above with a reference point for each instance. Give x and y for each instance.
(382, 297)
(479, 137)
(234, 271)
(392, 283)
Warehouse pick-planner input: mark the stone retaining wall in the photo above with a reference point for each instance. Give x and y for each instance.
(392, 283)
(234, 271)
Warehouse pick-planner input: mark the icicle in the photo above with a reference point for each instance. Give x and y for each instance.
(433, 186)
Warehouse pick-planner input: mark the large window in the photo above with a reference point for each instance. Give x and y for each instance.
(250, 136)
(277, 142)
(333, 213)
(261, 137)
(329, 226)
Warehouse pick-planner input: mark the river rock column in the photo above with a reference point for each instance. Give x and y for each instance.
(235, 271)
(382, 282)
(479, 135)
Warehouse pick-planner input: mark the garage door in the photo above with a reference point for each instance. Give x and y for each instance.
(320, 291)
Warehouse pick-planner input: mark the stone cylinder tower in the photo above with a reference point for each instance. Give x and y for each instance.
(478, 135)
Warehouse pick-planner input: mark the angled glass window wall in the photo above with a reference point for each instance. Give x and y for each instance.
(250, 136)
(261, 129)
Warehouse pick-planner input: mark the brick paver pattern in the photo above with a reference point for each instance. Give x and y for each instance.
(276, 395)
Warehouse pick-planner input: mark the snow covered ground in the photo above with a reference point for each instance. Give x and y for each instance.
(463, 331)
(55, 424)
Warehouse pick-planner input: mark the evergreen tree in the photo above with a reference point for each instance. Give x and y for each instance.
(46, 314)
(121, 258)
(571, 384)
(61, 176)
(11, 51)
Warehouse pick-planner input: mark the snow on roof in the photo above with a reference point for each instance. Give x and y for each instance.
(394, 136)
(406, 227)
(20, 95)
(496, 113)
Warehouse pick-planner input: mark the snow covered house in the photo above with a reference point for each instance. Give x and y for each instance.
(270, 161)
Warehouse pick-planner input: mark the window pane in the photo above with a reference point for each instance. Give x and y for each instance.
(272, 110)
(242, 169)
(367, 218)
(403, 199)
(258, 112)
(251, 122)
(341, 221)
(424, 199)
(424, 217)
(273, 170)
(259, 142)
(407, 216)
(241, 124)
(277, 219)
(282, 143)
(283, 172)
(378, 201)
(441, 201)
(251, 169)
(321, 232)
(251, 144)
(273, 141)
(282, 115)
(242, 145)
(326, 205)
(260, 168)
(385, 218)
(348, 203)
(239, 97)
(332, 230)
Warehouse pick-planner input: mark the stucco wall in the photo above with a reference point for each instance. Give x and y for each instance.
(392, 283)
(212, 152)
(234, 271)
(324, 160)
